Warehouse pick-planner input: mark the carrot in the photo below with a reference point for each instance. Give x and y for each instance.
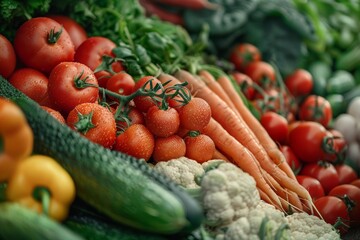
(236, 127)
(239, 155)
(152, 9)
(219, 155)
(264, 138)
(266, 199)
(191, 4)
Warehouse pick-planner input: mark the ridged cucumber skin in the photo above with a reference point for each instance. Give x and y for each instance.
(122, 187)
(19, 222)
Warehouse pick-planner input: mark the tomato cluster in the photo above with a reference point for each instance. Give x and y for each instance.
(300, 123)
(56, 64)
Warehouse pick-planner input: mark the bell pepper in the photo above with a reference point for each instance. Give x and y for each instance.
(41, 184)
(16, 137)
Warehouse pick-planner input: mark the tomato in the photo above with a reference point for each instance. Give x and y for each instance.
(168, 148)
(243, 54)
(200, 147)
(275, 125)
(42, 43)
(324, 172)
(339, 147)
(143, 103)
(291, 158)
(350, 194)
(312, 185)
(62, 89)
(94, 122)
(245, 83)
(133, 115)
(333, 209)
(56, 114)
(262, 73)
(91, 53)
(307, 140)
(162, 122)
(136, 141)
(121, 83)
(299, 83)
(195, 115)
(316, 108)
(76, 32)
(356, 183)
(7, 57)
(346, 173)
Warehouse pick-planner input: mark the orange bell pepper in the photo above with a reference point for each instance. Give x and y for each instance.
(41, 184)
(16, 137)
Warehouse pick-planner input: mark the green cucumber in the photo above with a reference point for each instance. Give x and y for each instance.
(19, 222)
(341, 82)
(122, 187)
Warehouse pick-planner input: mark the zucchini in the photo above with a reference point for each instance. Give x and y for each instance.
(122, 187)
(19, 222)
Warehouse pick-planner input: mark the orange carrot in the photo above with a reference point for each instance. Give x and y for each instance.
(264, 138)
(237, 128)
(219, 155)
(239, 155)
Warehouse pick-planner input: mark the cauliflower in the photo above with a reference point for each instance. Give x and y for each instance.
(182, 170)
(310, 227)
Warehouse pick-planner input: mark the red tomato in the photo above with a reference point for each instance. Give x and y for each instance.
(350, 194)
(356, 183)
(291, 158)
(42, 43)
(168, 148)
(245, 83)
(339, 146)
(261, 73)
(76, 32)
(90, 53)
(56, 114)
(243, 54)
(94, 122)
(121, 83)
(195, 115)
(136, 141)
(316, 108)
(312, 185)
(162, 123)
(143, 103)
(200, 148)
(62, 89)
(133, 115)
(275, 125)
(299, 83)
(7, 57)
(324, 172)
(332, 209)
(32, 83)
(346, 173)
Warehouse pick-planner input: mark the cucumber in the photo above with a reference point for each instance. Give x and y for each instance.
(19, 222)
(122, 187)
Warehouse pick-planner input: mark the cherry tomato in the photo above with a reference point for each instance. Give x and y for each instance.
(32, 83)
(262, 73)
(200, 147)
(7, 57)
(91, 53)
(291, 159)
(324, 172)
(312, 185)
(243, 54)
(333, 209)
(195, 115)
(56, 114)
(42, 43)
(350, 194)
(76, 32)
(275, 125)
(162, 122)
(62, 87)
(356, 183)
(299, 83)
(245, 83)
(94, 122)
(316, 108)
(121, 83)
(143, 103)
(339, 144)
(168, 148)
(346, 173)
(136, 141)
(133, 115)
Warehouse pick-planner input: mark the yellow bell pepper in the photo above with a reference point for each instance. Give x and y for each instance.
(16, 137)
(41, 184)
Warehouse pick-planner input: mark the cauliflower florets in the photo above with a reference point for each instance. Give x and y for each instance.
(309, 227)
